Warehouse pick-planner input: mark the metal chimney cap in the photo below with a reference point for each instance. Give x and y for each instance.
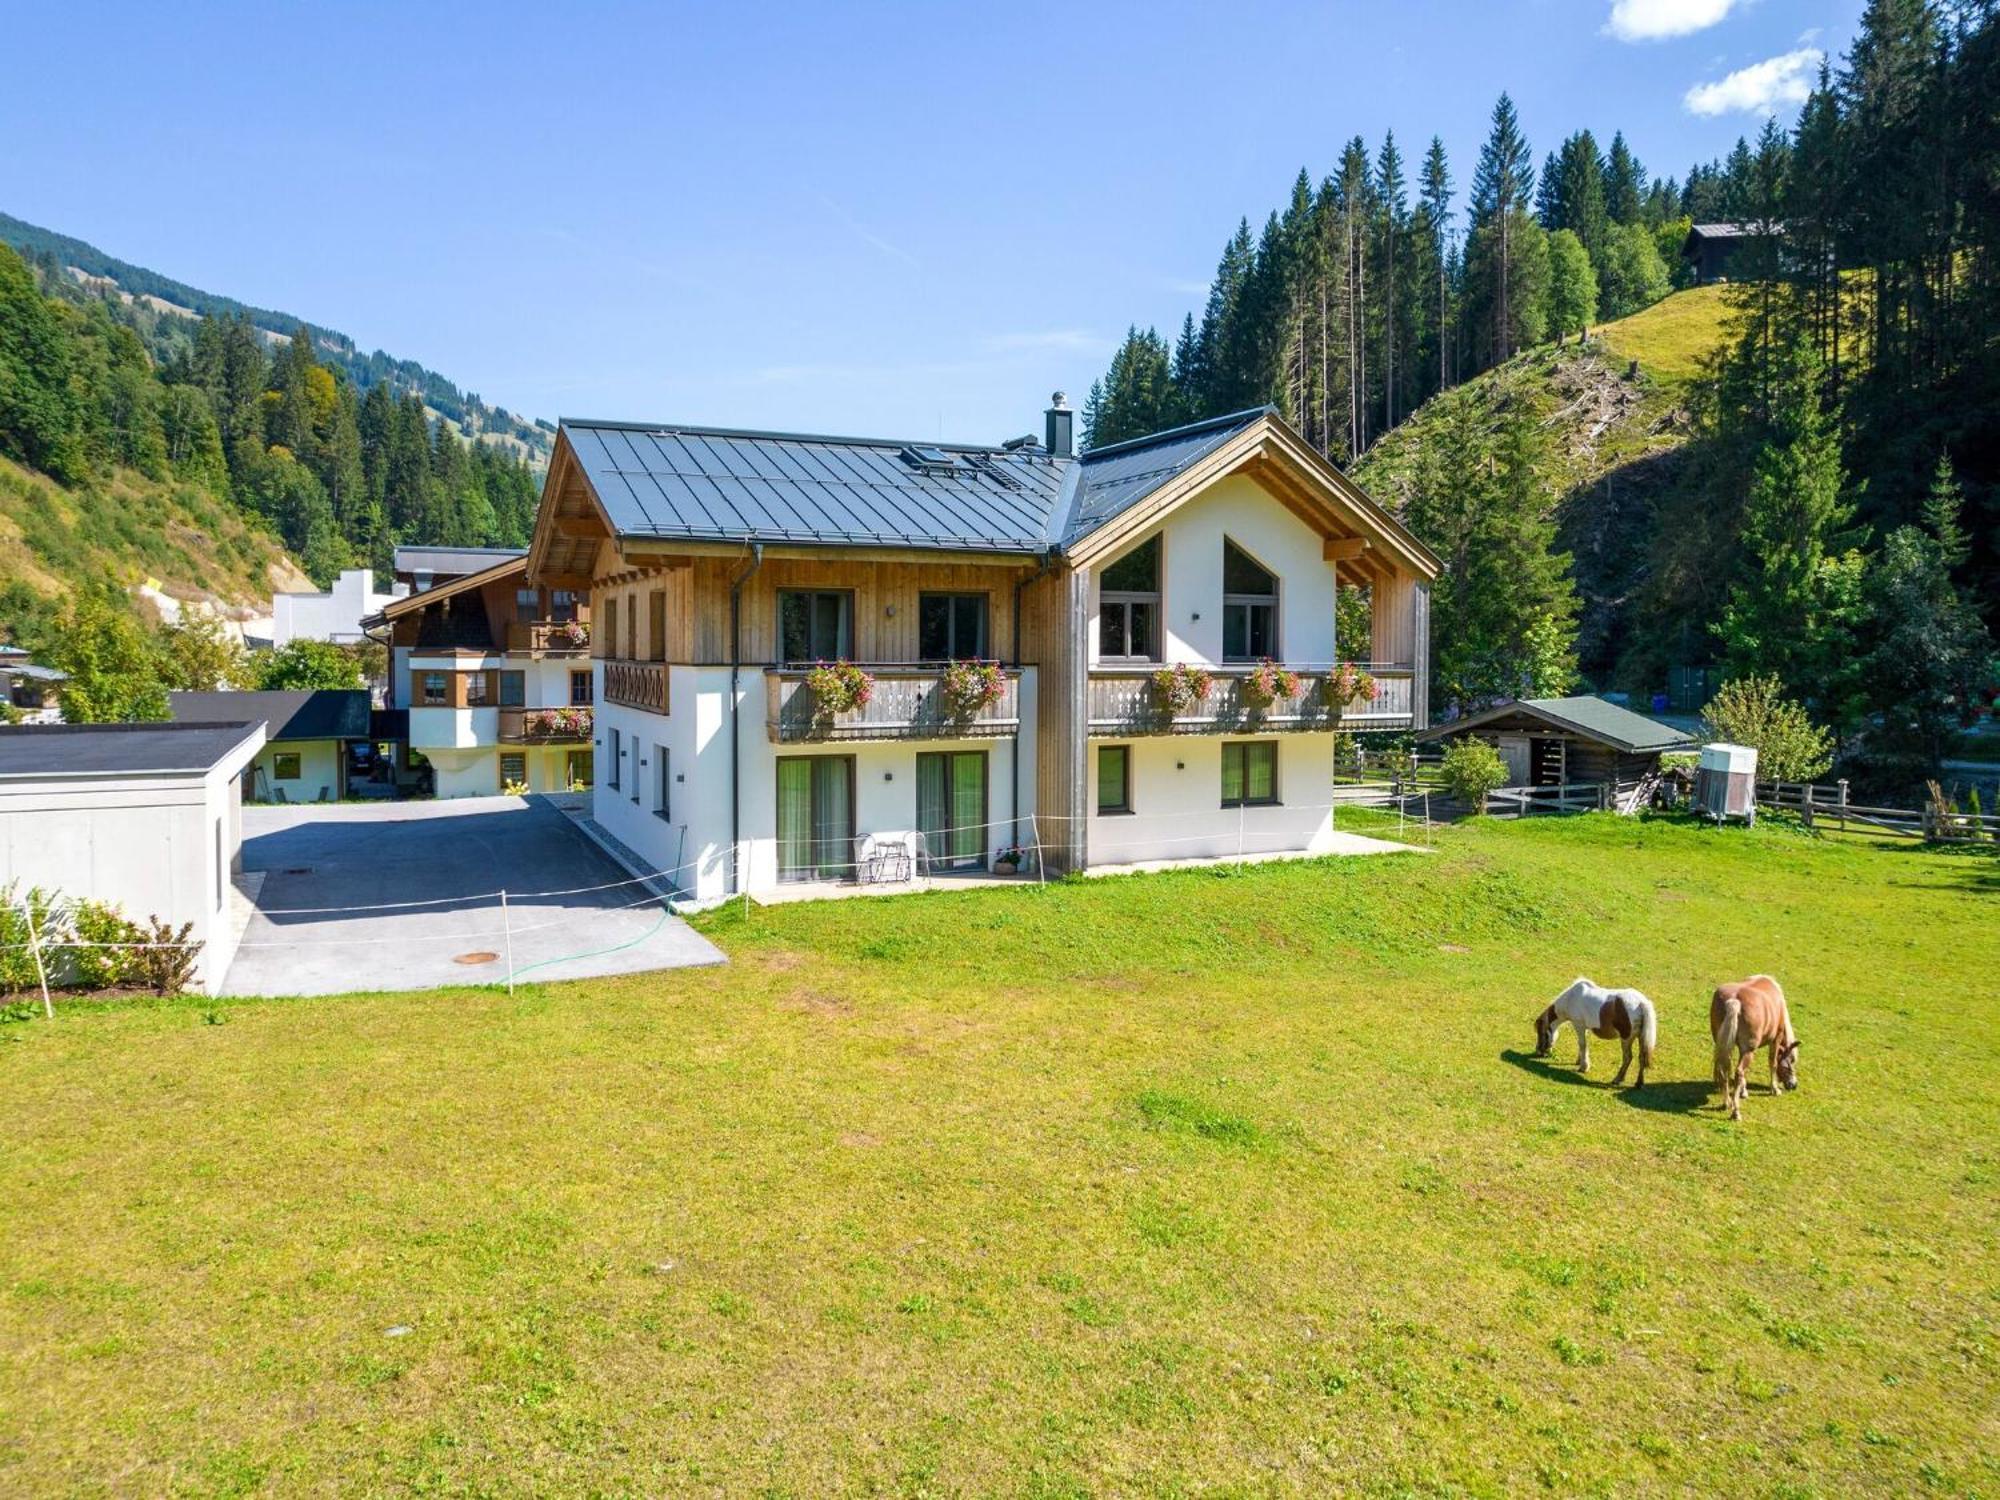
(1059, 402)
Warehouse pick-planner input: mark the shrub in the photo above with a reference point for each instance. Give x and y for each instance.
(1472, 769)
(99, 968)
(838, 687)
(969, 687)
(168, 963)
(1267, 683)
(17, 953)
(1755, 711)
(1181, 688)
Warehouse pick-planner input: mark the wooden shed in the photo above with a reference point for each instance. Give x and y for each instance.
(1572, 741)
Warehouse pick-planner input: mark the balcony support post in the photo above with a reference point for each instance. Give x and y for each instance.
(736, 717)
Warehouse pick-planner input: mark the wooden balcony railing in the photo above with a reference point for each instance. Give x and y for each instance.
(545, 726)
(556, 637)
(906, 705)
(637, 684)
(1123, 701)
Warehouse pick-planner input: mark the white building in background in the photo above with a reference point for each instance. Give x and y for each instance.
(146, 817)
(722, 566)
(335, 615)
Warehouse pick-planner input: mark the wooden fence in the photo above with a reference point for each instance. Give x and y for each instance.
(1830, 807)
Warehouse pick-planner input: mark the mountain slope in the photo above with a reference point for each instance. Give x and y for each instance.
(164, 298)
(128, 530)
(1615, 413)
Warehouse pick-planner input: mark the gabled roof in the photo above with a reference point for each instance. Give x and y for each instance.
(634, 482)
(507, 563)
(450, 561)
(61, 751)
(301, 714)
(1592, 718)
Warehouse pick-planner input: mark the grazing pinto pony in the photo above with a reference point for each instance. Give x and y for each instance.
(1744, 1017)
(1595, 1011)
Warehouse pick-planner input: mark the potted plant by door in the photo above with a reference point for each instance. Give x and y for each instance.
(1010, 860)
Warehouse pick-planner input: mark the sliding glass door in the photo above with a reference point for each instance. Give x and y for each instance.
(816, 817)
(951, 808)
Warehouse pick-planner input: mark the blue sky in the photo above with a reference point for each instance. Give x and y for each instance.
(898, 219)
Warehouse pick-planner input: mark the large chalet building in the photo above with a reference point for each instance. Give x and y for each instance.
(721, 568)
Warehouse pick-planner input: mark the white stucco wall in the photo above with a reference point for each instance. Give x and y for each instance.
(1176, 798)
(335, 615)
(1243, 511)
(695, 839)
(319, 771)
(160, 845)
(476, 772)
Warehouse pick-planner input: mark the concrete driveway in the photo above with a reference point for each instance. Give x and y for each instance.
(455, 855)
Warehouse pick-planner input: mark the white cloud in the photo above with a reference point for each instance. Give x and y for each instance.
(1656, 20)
(1762, 88)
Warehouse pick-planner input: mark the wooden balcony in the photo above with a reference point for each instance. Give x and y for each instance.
(1122, 701)
(906, 705)
(545, 726)
(549, 637)
(637, 684)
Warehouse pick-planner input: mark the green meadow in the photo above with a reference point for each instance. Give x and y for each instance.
(1233, 1182)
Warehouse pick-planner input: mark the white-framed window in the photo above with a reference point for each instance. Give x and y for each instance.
(1128, 606)
(1249, 606)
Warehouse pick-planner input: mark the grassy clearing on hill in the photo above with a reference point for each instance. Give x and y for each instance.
(1231, 1181)
(1675, 336)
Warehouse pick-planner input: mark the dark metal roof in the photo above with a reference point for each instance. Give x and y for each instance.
(299, 714)
(1593, 718)
(450, 562)
(62, 750)
(723, 484)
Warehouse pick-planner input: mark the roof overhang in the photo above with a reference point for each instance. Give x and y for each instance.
(409, 604)
(1356, 531)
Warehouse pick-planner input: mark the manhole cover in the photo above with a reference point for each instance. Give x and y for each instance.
(475, 958)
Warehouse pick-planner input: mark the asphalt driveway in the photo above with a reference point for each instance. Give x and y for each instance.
(306, 869)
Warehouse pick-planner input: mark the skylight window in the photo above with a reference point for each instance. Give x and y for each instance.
(923, 456)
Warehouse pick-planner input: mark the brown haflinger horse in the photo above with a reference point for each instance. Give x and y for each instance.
(1744, 1017)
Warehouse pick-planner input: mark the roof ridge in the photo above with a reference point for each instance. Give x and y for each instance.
(1186, 428)
(848, 441)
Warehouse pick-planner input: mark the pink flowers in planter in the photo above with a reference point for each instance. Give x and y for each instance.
(969, 688)
(557, 723)
(1266, 683)
(1348, 684)
(1181, 688)
(838, 687)
(572, 635)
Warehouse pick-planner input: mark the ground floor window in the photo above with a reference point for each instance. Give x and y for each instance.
(1114, 778)
(1250, 773)
(951, 808)
(513, 769)
(663, 799)
(617, 760)
(815, 817)
(285, 766)
(577, 769)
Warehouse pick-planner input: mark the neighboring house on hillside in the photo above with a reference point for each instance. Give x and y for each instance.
(721, 565)
(494, 674)
(308, 736)
(418, 568)
(146, 817)
(28, 688)
(1710, 248)
(335, 615)
(1572, 741)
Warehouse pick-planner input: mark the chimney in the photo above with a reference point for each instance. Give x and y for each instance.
(1061, 424)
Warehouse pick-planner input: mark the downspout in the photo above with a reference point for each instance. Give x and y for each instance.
(735, 716)
(1014, 760)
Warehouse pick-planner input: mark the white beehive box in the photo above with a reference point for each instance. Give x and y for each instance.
(1725, 782)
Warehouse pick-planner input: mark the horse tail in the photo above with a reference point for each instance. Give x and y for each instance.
(1649, 1030)
(1726, 1024)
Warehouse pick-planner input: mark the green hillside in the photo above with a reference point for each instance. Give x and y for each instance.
(1613, 414)
(128, 530)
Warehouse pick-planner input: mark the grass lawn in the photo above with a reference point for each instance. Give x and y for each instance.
(1673, 336)
(1231, 1183)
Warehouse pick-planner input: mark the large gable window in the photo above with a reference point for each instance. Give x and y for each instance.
(1128, 606)
(1249, 606)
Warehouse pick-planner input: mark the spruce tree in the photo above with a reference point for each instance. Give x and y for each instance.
(1624, 183)
(1502, 186)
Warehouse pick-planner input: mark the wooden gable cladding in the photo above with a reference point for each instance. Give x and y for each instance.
(570, 525)
(693, 609)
